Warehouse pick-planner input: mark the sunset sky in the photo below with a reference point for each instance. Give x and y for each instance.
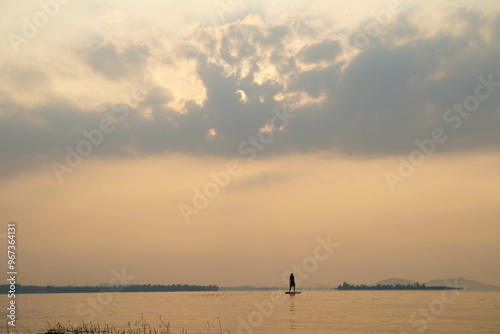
(214, 142)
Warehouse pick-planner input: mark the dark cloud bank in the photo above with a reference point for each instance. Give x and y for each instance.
(395, 90)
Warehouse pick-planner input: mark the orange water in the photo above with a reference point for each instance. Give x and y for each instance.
(262, 312)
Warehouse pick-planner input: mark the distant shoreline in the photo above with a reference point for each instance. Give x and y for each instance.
(36, 289)
(395, 287)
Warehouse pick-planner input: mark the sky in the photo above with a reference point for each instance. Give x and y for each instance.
(232, 142)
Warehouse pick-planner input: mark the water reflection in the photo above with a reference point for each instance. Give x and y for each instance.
(292, 313)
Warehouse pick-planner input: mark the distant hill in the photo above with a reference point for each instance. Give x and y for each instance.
(394, 281)
(467, 284)
(458, 281)
(395, 287)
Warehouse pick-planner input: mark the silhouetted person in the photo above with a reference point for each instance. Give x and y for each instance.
(292, 283)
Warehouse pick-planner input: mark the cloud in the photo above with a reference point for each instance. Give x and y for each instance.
(260, 179)
(326, 50)
(115, 63)
(391, 92)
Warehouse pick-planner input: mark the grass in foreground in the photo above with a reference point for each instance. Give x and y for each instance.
(140, 327)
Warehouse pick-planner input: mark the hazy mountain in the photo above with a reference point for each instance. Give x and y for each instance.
(394, 280)
(458, 281)
(462, 282)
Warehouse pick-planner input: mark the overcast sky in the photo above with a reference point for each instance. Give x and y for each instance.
(375, 124)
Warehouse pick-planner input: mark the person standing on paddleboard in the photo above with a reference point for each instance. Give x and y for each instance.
(292, 283)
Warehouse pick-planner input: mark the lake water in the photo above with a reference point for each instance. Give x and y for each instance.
(272, 312)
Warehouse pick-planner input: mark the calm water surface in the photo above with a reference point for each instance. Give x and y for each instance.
(316, 312)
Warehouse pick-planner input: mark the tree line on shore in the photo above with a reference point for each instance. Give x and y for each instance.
(111, 288)
(416, 286)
